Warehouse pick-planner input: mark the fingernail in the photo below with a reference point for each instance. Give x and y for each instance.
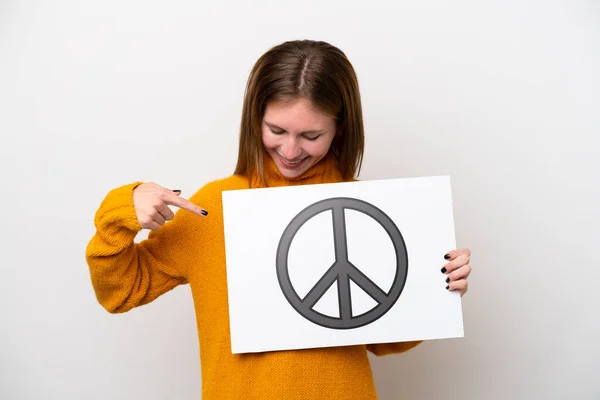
(177, 191)
(448, 280)
(447, 256)
(447, 287)
(444, 270)
(204, 212)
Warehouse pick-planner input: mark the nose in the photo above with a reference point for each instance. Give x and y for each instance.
(290, 149)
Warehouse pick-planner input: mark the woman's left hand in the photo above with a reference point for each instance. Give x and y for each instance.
(457, 270)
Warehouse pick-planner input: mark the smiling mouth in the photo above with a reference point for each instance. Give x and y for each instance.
(292, 164)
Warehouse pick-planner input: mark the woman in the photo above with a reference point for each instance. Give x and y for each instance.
(301, 124)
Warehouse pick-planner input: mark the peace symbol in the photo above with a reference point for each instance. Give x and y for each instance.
(342, 269)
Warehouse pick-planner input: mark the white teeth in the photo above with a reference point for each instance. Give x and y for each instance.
(291, 162)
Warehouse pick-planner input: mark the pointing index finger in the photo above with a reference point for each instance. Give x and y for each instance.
(178, 201)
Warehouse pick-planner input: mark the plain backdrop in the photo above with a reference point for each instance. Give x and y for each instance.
(501, 95)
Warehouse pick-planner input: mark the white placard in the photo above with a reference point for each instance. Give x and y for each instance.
(340, 264)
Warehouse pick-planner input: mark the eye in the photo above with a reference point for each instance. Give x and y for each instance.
(313, 138)
(277, 132)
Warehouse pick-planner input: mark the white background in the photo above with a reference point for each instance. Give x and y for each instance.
(261, 317)
(502, 95)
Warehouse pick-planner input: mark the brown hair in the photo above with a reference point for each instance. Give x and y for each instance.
(318, 72)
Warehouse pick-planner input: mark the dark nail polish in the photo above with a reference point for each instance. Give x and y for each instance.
(204, 212)
(444, 270)
(177, 191)
(447, 256)
(447, 287)
(448, 280)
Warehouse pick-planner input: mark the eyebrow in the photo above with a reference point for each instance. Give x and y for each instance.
(302, 133)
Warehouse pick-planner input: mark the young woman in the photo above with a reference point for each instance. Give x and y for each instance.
(301, 124)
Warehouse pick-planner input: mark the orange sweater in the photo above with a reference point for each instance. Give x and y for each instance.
(190, 250)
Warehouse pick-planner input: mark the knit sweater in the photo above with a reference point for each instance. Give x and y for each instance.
(190, 249)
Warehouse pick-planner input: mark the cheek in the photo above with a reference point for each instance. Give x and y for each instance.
(320, 147)
(268, 140)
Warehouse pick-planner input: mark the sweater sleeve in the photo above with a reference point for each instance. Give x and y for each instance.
(126, 274)
(382, 349)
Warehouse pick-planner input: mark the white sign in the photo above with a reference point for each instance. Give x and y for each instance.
(340, 264)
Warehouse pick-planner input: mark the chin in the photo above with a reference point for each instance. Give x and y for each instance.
(292, 173)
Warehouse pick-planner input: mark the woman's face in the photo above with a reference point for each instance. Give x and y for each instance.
(296, 135)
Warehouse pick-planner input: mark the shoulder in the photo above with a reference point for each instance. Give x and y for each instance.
(211, 192)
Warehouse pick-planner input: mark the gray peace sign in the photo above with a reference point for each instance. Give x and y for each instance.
(342, 269)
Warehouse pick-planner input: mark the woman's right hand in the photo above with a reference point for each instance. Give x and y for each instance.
(151, 203)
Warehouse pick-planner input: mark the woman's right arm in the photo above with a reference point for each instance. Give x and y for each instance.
(126, 274)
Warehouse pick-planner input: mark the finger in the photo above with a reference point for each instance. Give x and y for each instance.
(180, 202)
(460, 273)
(461, 286)
(455, 264)
(153, 226)
(148, 223)
(157, 217)
(165, 211)
(451, 255)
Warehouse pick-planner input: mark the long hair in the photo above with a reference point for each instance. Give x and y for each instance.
(318, 72)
